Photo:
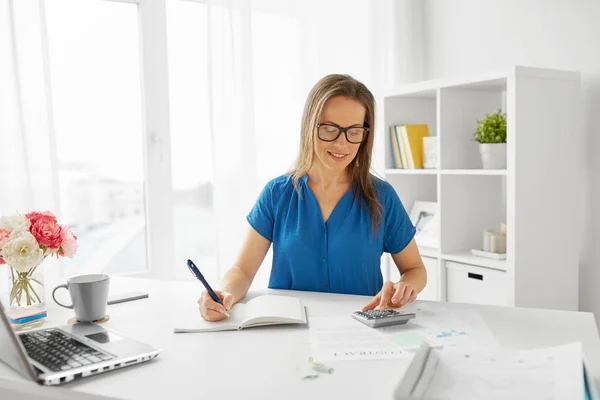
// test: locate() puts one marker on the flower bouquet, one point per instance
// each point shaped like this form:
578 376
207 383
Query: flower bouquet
25 241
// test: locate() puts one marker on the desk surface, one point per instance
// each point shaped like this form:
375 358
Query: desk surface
268 362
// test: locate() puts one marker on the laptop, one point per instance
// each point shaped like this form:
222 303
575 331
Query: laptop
53 356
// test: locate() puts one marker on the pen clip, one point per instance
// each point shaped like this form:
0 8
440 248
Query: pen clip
193 269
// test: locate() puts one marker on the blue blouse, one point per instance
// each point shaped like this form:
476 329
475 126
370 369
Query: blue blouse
341 255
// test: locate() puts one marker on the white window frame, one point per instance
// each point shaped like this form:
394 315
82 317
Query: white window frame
156 141
156 137
160 252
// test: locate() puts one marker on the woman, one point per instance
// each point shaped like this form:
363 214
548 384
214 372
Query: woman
329 219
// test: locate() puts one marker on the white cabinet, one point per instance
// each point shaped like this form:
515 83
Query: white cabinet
475 285
542 180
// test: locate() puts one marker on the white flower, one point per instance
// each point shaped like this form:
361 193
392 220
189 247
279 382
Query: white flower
14 222
22 251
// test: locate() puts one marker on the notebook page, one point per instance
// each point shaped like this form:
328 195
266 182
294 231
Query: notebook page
275 309
191 321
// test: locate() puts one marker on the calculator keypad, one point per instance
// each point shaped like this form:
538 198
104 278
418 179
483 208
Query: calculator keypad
377 314
377 318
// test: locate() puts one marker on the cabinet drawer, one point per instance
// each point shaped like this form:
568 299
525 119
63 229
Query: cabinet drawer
476 285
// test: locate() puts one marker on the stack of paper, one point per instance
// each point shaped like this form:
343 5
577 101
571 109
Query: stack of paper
21 318
452 373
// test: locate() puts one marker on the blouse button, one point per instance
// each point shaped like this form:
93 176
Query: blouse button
324 260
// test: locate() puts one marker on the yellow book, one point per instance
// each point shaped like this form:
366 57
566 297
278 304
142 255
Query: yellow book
414 134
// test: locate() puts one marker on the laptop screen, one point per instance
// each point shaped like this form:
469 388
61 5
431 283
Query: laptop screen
11 350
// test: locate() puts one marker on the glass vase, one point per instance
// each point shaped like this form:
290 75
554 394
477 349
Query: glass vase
26 289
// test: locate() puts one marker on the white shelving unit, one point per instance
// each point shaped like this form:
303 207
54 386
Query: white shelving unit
534 195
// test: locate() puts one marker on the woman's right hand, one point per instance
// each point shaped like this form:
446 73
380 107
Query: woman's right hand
212 311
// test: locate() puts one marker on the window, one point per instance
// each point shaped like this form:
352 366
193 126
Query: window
95 78
277 64
107 168
191 147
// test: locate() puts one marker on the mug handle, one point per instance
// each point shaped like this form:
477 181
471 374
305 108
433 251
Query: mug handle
56 301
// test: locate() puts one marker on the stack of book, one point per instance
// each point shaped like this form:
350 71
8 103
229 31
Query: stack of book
407 145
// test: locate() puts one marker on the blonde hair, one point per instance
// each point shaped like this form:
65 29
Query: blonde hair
362 182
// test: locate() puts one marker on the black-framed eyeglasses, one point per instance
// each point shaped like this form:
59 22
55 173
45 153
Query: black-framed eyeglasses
330 132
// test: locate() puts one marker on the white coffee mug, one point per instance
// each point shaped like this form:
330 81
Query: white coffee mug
89 294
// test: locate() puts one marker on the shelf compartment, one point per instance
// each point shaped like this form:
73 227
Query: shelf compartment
400 110
470 204
414 187
460 109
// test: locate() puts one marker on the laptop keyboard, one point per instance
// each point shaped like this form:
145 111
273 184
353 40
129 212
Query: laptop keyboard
58 351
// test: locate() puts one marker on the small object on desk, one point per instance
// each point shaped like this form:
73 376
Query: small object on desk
73 320
319 367
310 377
123 297
376 318
21 316
28 325
23 319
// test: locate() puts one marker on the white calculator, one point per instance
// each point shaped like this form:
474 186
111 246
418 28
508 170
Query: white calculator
376 318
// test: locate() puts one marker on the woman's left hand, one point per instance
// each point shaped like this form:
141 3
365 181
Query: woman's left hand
393 295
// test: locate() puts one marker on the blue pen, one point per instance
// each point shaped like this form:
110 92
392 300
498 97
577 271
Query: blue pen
200 277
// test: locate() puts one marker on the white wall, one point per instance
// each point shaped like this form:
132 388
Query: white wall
465 36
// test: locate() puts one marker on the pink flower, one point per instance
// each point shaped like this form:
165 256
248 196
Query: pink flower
34 216
2 261
46 230
69 243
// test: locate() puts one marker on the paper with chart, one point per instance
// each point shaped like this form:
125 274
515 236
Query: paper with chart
441 326
344 338
453 373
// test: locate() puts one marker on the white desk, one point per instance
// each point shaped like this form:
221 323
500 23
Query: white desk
268 362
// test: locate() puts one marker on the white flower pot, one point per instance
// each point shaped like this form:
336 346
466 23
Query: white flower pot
493 155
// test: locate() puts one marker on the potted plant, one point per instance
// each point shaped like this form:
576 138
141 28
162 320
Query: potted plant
491 135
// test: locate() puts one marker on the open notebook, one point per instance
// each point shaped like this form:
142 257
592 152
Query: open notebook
261 310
